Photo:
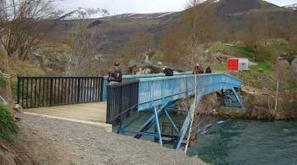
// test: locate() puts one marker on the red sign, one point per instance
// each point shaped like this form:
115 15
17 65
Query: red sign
233 64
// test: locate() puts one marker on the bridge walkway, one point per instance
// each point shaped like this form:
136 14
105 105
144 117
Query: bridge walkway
155 94
94 112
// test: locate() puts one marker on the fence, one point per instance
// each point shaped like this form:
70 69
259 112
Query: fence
121 99
35 92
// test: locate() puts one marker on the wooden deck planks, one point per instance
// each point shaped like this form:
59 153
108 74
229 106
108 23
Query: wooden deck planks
94 112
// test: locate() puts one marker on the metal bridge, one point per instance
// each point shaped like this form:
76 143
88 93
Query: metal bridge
152 93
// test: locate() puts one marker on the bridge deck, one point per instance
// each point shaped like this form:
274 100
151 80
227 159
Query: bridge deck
94 112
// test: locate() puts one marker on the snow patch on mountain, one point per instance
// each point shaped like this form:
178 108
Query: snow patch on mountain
292 6
84 13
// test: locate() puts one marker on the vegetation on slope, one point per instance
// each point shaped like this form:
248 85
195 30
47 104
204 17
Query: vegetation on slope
7 124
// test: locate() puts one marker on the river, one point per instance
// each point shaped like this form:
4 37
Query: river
248 142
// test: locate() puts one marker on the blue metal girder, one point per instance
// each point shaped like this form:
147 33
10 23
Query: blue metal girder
154 121
171 121
237 97
158 112
186 125
149 123
158 125
161 91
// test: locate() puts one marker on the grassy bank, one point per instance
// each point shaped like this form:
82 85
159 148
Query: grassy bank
7 124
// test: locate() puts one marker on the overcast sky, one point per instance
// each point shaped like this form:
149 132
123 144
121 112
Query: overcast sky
140 6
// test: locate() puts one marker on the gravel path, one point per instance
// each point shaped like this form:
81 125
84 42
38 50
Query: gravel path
89 144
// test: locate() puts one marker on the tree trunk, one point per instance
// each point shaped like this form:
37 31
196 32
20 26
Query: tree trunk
6 71
276 95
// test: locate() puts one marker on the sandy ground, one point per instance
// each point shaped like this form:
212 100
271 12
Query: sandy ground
66 142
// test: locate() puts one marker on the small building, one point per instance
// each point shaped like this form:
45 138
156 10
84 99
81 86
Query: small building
237 64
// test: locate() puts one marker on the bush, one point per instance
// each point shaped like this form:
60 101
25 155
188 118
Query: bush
7 124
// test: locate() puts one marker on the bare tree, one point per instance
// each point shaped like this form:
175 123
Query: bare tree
200 23
186 42
85 57
19 31
20 22
138 47
5 72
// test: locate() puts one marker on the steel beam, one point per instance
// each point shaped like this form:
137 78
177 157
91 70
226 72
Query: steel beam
171 121
158 125
237 97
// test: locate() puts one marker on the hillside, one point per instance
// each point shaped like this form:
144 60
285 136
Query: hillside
112 32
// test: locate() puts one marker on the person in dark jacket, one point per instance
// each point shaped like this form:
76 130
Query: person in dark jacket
198 69
167 71
208 70
115 74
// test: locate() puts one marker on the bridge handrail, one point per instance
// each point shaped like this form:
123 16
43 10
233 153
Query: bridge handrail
121 99
159 90
189 75
136 77
33 92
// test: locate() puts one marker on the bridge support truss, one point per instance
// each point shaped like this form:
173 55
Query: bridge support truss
158 95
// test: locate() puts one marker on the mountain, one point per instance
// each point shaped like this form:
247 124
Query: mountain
80 13
112 32
292 6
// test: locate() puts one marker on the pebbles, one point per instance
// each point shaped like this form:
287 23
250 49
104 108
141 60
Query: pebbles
88 144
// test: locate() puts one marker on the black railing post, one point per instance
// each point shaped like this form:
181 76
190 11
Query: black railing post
51 91
27 92
78 91
121 100
109 104
101 80
48 91
18 90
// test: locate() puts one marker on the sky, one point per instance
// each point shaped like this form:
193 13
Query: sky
140 6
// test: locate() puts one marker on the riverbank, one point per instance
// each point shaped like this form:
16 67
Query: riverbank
257 106
74 143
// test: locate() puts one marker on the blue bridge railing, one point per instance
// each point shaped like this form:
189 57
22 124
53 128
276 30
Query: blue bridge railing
161 90
158 94
136 77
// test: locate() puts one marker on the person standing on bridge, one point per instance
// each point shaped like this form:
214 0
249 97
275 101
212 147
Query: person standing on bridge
167 71
115 74
208 70
198 69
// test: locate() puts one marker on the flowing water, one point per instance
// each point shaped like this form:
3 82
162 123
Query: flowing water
243 142
248 142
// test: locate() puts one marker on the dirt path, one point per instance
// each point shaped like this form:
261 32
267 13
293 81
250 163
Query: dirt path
87 144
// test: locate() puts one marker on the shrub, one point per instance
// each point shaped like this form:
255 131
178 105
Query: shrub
7 124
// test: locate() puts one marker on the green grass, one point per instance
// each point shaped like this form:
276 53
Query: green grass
240 51
220 67
7 124
264 67
14 87
2 82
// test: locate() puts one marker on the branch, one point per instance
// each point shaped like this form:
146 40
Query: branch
4 75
